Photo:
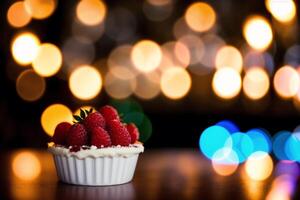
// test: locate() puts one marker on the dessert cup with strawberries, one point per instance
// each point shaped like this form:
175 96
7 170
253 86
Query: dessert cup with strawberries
98 149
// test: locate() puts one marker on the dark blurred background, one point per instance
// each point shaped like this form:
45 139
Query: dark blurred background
160 62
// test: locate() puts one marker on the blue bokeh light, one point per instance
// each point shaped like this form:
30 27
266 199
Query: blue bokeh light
242 145
292 147
229 125
260 139
214 138
226 156
279 142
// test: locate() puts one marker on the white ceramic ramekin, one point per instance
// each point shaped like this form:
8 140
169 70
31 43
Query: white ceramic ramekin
96 167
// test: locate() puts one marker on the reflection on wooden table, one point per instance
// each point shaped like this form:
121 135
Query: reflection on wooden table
160 174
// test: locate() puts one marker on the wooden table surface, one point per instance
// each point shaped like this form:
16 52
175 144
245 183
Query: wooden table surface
160 174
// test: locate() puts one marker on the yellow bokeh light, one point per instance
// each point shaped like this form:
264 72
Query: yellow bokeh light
175 82
259 166
146 55
40 9
117 86
25 48
283 11
226 83
182 53
48 60
229 56
200 16
256 83
17 16
85 82
91 12
26 166
258 32
77 112
147 86
30 86
177 53
286 82
53 115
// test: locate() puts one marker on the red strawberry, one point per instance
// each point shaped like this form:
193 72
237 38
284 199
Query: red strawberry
94 120
77 135
60 133
75 148
99 137
109 113
133 131
118 133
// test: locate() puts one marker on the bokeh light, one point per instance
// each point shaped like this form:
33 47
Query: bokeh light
225 161
241 144
200 16
283 188
177 52
180 28
229 125
53 115
283 11
286 167
119 83
48 60
147 86
256 83
40 9
208 143
286 82
146 55
292 147
175 82
279 143
212 43
30 86
91 12
258 32
25 48
195 48
259 166
261 140
26 166
85 82
17 16
229 56
226 83
120 57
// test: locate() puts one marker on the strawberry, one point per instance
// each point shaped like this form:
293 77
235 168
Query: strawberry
94 120
133 131
77 135
60 133
99 137
109 113
118 133
75 148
